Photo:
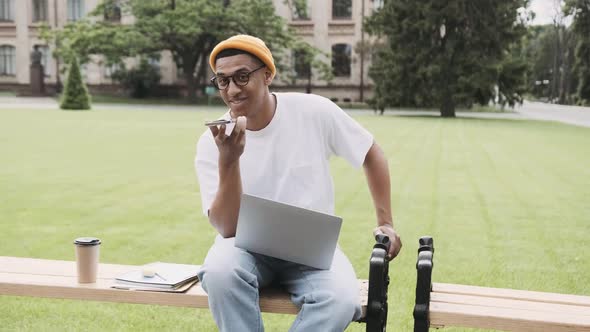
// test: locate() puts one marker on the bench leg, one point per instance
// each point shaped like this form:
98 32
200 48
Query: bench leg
376 317
423 284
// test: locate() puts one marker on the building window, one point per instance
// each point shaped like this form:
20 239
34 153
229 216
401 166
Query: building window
84 71
39 10
301 64
300 10
75 10
110 70
342 9
45 56
341 56
377 4
154 61
6 10
112 12
179 67
7 61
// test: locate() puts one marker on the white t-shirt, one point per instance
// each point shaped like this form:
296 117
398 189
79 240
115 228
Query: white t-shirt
288 160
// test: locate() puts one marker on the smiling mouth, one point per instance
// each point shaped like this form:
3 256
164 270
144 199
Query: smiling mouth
237 101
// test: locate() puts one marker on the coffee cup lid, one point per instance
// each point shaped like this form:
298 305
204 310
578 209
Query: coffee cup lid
87 241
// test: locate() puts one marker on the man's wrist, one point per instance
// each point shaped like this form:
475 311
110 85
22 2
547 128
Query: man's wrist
387 224
226 167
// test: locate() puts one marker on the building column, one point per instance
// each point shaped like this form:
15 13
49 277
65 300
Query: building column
23 47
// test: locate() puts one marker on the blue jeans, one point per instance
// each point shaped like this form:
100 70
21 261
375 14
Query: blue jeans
328 299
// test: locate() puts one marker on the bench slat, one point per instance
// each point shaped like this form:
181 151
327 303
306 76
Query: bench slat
506 319
446 305
494 302
62 287
67 288
512 294
57 279
38 266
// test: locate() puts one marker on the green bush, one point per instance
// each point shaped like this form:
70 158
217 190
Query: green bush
75 95
141 80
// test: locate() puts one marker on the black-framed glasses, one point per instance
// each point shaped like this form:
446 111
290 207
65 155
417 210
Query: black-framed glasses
241 78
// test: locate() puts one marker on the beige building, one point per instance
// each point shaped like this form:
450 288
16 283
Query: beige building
333 26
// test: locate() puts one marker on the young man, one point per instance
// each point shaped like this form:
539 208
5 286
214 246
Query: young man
279 149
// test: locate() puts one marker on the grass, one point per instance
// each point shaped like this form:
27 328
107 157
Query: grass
7 94
506 202
215 100
110 99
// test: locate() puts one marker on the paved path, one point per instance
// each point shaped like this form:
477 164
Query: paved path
27 102
574 115
481 115
50 103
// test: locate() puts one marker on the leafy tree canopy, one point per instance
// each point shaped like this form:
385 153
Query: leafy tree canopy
189 29
580 9
448 53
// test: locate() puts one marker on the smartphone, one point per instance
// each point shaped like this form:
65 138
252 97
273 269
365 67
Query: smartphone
219 122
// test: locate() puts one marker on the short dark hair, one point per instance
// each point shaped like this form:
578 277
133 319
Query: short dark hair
234 51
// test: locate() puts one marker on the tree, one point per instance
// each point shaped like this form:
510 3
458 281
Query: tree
580 9
189 29
549 63
511 81
447 53
75 95
141 80
540 51
298 9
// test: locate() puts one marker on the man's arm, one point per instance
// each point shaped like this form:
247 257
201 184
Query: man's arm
377 173
225 208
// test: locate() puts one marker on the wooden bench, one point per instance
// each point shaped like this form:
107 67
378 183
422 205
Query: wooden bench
58 279
439 305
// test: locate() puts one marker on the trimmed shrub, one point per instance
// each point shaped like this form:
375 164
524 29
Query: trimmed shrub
75 95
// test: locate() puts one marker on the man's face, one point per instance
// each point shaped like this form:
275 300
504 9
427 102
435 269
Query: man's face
243 100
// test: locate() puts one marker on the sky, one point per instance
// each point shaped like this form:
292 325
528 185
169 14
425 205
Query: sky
545 10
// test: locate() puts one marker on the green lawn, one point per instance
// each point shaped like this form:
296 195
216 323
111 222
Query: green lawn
508 204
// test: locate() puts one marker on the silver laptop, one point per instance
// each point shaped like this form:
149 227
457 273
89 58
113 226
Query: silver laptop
287 232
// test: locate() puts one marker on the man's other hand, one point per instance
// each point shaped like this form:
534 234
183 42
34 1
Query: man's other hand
394 239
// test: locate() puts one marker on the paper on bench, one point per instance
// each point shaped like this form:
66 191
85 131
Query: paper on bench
170 276
180 289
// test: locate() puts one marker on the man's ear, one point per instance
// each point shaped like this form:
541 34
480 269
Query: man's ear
267 77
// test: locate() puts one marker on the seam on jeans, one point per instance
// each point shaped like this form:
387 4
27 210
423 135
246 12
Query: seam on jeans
257 298
301 311
311 286
298 320
257 295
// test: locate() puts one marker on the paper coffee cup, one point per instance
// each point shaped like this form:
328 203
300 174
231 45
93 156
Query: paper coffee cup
87 253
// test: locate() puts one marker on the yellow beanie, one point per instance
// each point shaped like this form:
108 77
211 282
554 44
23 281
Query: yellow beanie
250 44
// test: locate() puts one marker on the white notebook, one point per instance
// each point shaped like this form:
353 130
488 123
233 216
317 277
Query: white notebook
167 276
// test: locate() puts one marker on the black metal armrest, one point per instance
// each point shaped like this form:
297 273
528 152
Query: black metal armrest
376 317
424 267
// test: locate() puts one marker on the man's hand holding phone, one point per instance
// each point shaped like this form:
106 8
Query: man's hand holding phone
219 122
230 146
